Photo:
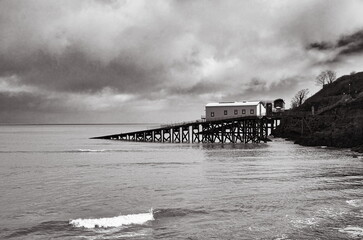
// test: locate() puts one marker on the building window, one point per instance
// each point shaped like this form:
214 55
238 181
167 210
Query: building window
212 114
225 112
252 111
235 112
243 111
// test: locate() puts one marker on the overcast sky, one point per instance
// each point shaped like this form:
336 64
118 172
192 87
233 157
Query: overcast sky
93 61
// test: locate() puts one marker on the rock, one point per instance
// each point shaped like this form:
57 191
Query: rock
358 149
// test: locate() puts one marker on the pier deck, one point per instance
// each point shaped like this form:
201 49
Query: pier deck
233 130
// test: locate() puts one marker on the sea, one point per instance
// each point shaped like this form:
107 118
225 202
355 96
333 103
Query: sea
57 183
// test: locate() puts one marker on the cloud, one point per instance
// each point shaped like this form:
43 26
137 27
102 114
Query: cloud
351 44
345 45
321 46
262 89
89 56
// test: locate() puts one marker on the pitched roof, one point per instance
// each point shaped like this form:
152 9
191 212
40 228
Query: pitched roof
230 104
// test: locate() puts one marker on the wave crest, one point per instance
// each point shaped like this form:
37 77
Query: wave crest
131 219
175 212
352 231
355 202
91 150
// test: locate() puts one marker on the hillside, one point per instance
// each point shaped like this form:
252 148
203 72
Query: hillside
348 85
337 119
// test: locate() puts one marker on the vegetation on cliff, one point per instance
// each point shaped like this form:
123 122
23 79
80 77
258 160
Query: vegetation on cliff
331 117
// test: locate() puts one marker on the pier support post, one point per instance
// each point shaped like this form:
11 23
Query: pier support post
185 134
195 133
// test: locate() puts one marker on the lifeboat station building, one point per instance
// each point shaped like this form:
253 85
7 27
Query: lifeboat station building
224 110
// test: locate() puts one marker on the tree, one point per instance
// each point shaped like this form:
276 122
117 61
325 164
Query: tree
331 76
299 98
326 77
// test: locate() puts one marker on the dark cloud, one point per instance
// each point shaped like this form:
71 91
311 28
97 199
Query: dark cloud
261 89
345 45
24 107
20 102
202 87
73 72
96 56
351 44
321 46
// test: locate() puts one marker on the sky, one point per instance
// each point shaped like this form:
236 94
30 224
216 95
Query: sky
126 61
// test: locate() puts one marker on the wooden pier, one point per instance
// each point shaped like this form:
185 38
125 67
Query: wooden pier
234 130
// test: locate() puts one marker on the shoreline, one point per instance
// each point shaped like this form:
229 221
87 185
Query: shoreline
356 149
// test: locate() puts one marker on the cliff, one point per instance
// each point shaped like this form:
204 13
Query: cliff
337 119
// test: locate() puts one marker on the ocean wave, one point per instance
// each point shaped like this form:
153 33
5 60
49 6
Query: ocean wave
114 236
164 163
319 216
49 227
81 150
86 150
98 150
283 237
352 231
64 151
133 219
301 223
355 202
175 212
91 150
330 212
118 221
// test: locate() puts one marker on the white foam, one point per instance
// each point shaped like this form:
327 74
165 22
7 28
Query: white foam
283 237
353 231
91 150
118 221
330 212
355 202
299 223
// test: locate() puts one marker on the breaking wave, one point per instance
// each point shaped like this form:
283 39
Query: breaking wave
301 223
131 219
355 202
175 212
352 231
91 150
86 150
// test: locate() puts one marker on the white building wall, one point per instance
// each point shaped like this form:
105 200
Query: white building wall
241 111
219 112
